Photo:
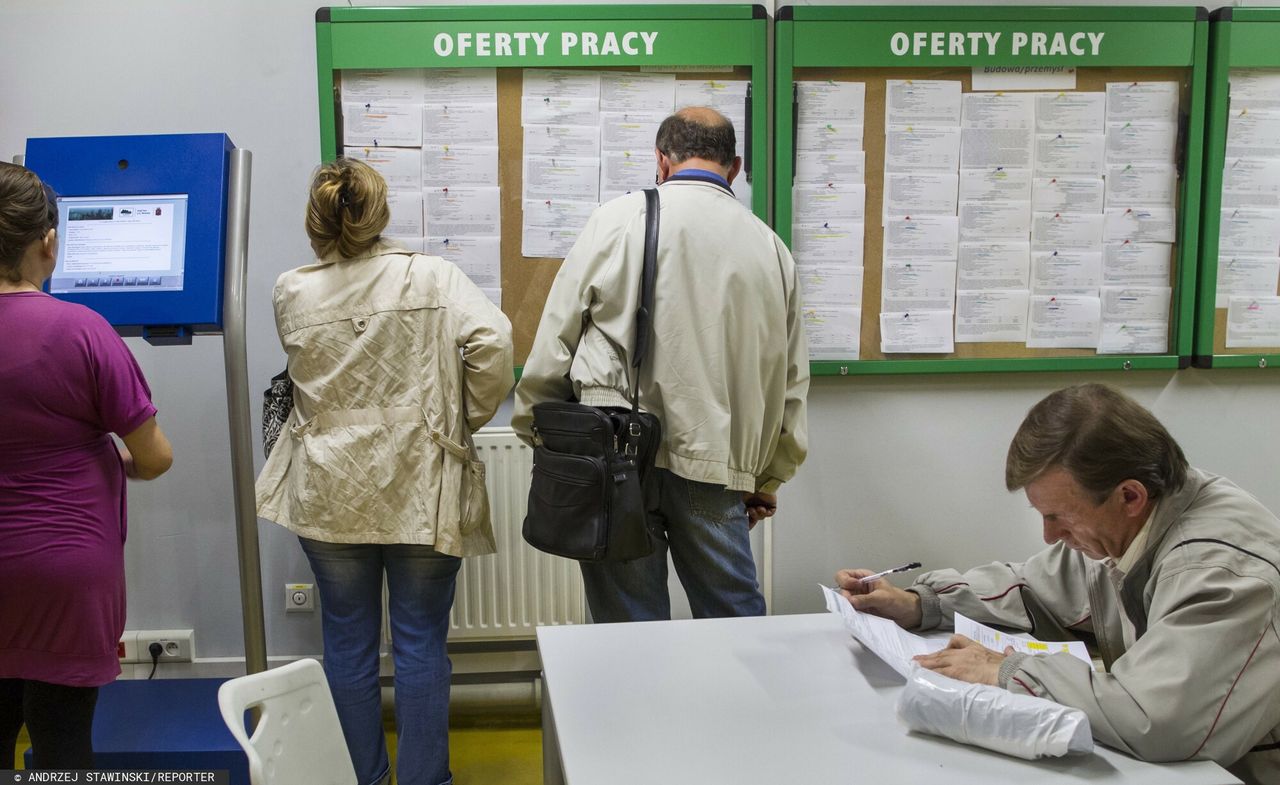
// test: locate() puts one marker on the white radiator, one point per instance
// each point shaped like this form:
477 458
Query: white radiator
506 595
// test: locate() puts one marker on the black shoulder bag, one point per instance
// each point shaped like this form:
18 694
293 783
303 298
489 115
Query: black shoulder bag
277 403
587 499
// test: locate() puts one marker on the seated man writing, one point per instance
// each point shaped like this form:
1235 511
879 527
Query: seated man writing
1175 573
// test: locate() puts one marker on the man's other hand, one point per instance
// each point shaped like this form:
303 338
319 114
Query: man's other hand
967 660
760 505
880 598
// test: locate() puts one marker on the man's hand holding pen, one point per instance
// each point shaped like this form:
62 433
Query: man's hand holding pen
879 597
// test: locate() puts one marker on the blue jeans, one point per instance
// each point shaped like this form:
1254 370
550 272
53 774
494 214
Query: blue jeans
420 585
705 527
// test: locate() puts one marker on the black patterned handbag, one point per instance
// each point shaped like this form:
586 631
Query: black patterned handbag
277 403
587 498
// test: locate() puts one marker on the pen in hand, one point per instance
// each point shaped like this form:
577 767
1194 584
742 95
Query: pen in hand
915 565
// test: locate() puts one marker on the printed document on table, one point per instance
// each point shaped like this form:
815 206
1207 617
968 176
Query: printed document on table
923 332
460 123
559 111
1133 338
834 332
1078 112
1070 153
815 203
1063 322
562 178
406 213
627 91
991 316
403 85
1128 142
882 637
1067 195
1067 230
984 148
455 164
1150 185
381 124
1247 230
922 102
828 101
463 210
401 167
581 141
998 110
1142 101
933 237
918 286
833 242
1136 303
994 220
997 641
1139 224
561 83
1066 272
823 167
989 266
997 184
835 285
919 148
1246 276
630 131
920 193
461 85
623 171
479 257
1252 134
1136 263
1253 321
830 137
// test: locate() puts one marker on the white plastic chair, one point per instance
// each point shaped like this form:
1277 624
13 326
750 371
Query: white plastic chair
298 740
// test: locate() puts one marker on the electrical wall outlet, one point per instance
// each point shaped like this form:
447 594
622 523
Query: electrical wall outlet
299 597
175 645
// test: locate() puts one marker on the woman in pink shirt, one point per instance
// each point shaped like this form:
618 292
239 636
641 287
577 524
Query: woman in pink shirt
67 382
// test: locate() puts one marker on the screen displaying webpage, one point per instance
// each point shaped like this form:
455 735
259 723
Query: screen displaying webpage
120 243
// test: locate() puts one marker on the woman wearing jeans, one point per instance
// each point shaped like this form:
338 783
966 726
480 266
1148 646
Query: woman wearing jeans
395 359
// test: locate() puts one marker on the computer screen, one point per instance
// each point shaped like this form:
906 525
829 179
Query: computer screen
120 243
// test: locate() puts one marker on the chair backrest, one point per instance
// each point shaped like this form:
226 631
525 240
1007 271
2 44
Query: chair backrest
298 740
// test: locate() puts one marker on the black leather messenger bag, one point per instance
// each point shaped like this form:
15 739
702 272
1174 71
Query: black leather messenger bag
587 497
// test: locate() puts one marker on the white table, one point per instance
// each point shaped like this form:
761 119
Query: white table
779 699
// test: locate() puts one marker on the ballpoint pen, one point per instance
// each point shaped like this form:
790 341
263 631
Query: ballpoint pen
915 565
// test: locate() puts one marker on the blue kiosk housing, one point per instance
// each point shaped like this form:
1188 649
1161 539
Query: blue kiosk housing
141 228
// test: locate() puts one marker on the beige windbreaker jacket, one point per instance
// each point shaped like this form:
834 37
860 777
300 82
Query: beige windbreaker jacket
1202 678
385 351
728 369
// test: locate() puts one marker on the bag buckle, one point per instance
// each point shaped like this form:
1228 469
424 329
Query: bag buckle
635 429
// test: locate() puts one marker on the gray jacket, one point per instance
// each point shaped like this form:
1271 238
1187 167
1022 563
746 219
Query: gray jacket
1202 678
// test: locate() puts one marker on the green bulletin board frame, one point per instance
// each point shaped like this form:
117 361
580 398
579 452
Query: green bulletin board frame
859 37
688 36
1238 38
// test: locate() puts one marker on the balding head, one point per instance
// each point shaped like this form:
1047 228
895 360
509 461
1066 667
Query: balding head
697 132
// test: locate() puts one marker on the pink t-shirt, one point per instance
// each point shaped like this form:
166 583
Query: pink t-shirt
66 382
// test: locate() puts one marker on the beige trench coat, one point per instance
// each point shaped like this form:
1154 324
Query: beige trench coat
395 358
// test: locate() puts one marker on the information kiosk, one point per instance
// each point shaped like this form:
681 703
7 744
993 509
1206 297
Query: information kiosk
153 235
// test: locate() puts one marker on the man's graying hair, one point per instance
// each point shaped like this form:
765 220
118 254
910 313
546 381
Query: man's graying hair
697 132
1101 437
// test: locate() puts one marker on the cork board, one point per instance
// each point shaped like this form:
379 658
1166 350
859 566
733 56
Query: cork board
526 280
1087 80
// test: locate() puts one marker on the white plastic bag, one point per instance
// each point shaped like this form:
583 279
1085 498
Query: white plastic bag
987 716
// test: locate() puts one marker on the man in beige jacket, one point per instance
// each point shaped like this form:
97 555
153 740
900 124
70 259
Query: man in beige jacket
727 373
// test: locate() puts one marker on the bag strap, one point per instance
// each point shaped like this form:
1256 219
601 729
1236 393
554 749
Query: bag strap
648 277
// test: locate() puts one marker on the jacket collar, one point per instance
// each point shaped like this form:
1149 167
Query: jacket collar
692 178
378 248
